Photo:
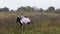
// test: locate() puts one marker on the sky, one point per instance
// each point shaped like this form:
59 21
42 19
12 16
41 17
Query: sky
14 4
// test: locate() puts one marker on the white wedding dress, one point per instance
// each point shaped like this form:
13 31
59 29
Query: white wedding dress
25 20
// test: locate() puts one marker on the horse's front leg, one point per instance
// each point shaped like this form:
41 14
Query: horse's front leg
23 25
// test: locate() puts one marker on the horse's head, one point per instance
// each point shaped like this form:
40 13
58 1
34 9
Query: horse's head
18 19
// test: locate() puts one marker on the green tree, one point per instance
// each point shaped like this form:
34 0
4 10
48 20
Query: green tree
6 9
21 9
1 9
51 8
27 8
41 10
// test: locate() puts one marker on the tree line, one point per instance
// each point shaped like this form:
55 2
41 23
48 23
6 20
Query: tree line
31 9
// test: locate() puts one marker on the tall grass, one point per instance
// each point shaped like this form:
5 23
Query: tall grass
43 23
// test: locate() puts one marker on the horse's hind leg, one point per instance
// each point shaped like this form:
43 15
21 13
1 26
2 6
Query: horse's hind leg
22 26
28 23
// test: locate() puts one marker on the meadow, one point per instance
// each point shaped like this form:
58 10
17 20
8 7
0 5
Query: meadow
43 23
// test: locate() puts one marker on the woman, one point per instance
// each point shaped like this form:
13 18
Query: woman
24 20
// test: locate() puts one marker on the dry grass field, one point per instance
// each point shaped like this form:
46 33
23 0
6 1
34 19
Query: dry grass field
43 23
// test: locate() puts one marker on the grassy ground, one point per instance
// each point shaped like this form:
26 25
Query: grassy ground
43 23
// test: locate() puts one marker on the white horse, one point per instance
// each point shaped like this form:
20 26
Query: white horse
25 21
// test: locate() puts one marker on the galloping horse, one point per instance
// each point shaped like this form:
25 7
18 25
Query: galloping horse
23 21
